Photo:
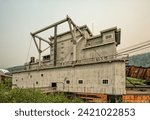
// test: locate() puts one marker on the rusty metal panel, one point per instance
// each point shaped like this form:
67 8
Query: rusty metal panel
147 75
140 73
132 71
143 73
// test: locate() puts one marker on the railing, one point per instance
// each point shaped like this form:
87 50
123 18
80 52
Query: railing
72 63
96 59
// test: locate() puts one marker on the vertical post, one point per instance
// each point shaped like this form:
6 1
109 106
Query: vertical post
74 46
74 52
55 45
39 52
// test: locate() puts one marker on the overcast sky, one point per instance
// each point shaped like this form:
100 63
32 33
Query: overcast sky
20 17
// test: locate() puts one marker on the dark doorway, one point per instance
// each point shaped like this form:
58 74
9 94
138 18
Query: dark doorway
54 86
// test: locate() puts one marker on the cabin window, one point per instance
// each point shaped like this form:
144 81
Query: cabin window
67 81
108 36
46 57
80 81
105 81
41 75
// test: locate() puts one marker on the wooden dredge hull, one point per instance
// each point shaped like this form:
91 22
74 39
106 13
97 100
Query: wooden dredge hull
79 63
100 77
87 92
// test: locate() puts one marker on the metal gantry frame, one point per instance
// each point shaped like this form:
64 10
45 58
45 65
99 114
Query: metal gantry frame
73 29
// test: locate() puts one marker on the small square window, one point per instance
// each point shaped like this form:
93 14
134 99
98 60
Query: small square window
16 80
108 36
105 81
22 78
67 81
80 81
41 75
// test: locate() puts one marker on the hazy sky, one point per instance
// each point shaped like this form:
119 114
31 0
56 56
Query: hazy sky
20 17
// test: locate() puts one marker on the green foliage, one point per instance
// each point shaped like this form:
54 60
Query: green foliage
7 84
135 81
8 95
140 60
33 96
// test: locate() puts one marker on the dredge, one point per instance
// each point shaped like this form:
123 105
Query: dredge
77 62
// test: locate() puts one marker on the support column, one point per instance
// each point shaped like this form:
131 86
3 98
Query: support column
55 45
39 52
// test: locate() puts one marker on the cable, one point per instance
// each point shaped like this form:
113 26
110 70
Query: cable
29 50
136 48
134 45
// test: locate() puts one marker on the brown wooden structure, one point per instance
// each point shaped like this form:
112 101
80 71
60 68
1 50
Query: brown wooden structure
138 72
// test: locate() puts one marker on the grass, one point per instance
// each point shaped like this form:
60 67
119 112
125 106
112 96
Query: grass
135 81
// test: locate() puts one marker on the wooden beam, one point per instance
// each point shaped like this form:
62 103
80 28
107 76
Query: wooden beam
76 26
55 45
45 48
42 39
40 52
50 26
72 33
